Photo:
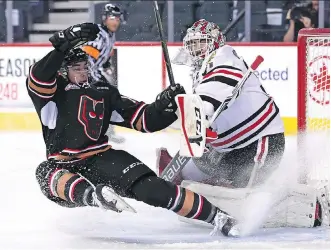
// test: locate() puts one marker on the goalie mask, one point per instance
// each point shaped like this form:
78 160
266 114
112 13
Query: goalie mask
203 38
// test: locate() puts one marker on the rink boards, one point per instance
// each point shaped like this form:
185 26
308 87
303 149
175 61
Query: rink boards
142 75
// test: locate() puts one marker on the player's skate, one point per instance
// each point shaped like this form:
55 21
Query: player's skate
163 158
105 197
225 224
113 136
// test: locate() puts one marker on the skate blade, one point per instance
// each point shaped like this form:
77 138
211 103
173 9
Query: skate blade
120 204
124 206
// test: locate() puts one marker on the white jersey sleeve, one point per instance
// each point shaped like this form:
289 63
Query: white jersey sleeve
252 115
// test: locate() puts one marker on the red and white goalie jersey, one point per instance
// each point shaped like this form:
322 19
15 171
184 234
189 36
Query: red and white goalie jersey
252 115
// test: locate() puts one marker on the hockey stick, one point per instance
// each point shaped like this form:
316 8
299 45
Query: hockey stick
174 167
164 45
258 60
178 162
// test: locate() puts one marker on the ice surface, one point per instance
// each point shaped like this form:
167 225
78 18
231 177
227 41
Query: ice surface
29 221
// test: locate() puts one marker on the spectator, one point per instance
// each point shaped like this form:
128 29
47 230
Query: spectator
301 16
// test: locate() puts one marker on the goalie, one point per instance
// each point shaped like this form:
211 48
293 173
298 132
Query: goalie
245 143
249 132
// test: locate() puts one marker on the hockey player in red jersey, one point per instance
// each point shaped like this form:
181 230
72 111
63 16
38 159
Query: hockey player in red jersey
82 169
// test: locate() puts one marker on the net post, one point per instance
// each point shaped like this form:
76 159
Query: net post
301 102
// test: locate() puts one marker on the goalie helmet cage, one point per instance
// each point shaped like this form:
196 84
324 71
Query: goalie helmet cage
313 97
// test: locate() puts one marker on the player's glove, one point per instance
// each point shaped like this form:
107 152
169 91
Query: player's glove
73 36
165 101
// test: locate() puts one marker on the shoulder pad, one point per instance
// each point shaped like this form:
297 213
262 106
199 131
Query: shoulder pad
222 56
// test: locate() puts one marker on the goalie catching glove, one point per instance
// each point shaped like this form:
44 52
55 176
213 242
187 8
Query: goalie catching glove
165 101
73 36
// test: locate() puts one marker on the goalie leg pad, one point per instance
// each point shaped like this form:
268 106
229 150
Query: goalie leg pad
296 208
323 197
193 172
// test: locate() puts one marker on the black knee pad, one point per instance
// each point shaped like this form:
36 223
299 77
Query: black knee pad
154 191
43 172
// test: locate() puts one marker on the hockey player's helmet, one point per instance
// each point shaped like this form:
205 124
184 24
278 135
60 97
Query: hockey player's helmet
74 56
111 10
203 38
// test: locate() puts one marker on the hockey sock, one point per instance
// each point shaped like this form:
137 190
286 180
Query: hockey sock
76 190
79 191
192 205
161 193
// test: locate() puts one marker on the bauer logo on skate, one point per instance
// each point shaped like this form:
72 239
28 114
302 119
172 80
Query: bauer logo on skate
142 75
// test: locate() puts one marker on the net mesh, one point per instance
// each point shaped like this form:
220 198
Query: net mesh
318 84
317 144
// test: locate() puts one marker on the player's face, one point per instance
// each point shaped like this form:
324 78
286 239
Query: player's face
198 47
315 4
112 23
78 72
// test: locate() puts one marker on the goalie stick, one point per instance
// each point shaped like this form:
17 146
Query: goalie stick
164 44
178 162
258 60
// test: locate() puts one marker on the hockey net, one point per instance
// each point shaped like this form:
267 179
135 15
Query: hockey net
314 102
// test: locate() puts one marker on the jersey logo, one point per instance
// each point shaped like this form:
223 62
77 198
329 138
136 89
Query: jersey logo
90 115
210 63
71 86
211 57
